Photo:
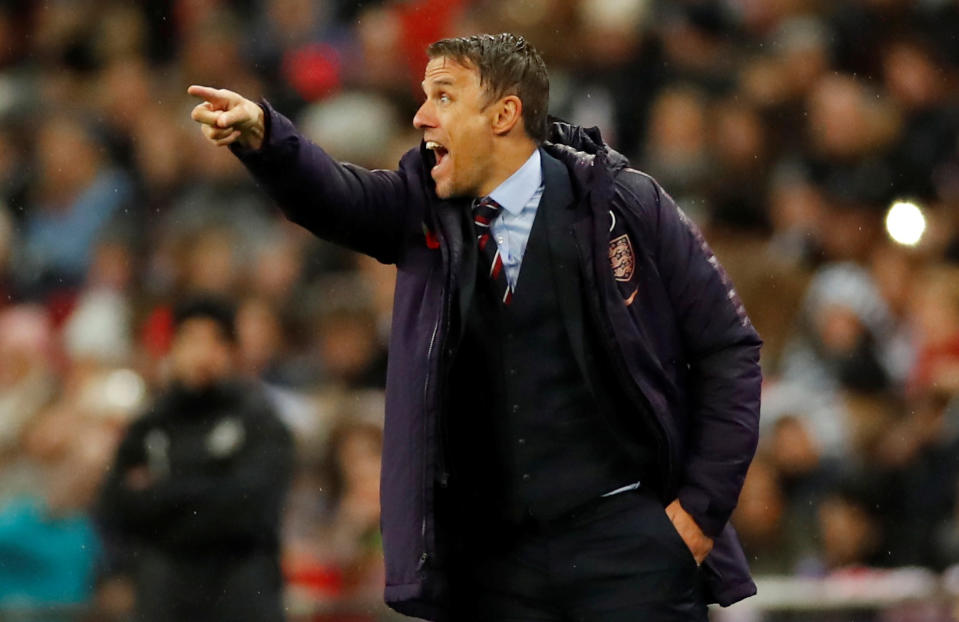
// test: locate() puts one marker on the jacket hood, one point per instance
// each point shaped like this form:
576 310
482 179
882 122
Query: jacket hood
582 146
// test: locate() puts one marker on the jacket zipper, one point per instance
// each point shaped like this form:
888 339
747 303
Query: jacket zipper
442 321
424 556
444 260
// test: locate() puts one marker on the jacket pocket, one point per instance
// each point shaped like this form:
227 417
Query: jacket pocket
677 539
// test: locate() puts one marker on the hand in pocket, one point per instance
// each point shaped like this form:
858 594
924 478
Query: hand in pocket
698 543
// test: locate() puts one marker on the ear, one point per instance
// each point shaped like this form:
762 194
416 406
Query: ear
507 113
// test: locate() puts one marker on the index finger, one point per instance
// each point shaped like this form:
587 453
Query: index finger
214 96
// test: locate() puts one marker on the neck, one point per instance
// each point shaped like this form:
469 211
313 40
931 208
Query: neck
508 159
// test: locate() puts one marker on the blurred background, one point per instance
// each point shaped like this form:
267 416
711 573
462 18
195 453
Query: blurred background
815 141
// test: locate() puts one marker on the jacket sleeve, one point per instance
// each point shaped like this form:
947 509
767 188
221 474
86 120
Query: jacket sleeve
118 507
346 204
722 350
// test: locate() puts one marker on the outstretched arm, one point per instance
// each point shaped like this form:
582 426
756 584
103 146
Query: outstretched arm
349 205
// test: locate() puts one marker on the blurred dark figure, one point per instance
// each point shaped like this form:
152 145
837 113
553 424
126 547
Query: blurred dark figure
762 521
346 340
850 531
196 491
925 150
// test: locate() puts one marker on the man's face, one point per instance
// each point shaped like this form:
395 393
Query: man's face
201 355
458 128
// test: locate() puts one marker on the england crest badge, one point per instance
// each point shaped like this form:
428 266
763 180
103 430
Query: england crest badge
621 258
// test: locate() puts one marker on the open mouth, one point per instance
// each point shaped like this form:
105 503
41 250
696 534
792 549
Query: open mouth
438 150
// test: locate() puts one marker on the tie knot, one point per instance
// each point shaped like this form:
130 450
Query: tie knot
485 210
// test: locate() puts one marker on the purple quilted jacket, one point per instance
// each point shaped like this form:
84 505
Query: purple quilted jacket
670 319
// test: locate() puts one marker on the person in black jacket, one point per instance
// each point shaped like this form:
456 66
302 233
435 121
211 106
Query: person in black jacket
195 493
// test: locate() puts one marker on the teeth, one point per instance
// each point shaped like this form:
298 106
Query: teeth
431 145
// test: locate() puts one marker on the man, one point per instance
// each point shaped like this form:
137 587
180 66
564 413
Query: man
567 356
198 484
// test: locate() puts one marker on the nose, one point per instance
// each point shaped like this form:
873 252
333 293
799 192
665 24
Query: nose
424 117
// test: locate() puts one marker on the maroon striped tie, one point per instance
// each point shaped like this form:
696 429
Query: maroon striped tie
485 211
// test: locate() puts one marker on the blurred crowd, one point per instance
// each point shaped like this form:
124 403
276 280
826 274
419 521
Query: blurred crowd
785 128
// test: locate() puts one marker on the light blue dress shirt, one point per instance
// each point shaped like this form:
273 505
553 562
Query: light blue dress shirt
519 195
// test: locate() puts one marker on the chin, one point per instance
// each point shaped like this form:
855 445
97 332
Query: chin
447 190
444 190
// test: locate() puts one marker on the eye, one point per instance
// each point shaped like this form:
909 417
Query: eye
444 98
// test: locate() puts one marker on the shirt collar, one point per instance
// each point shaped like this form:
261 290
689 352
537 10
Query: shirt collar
514 193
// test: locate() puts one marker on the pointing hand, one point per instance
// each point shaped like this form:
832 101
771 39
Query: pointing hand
227 117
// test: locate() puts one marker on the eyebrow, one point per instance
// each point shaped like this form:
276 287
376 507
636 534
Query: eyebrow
438 82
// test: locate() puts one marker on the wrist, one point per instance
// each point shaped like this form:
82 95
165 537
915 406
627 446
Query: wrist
252 136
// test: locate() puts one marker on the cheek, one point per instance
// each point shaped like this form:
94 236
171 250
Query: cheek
481 156
223 360
475 148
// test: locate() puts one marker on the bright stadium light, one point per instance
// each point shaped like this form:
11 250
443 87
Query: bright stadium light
905 223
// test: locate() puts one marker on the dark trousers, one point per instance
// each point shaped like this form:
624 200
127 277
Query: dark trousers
617 559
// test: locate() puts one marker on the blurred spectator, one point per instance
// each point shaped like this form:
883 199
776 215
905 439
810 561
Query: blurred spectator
677 151
850 531
76 196
915 460
774 542
47 540
343 559
850 131
259 338
798 213
742 155
841 345
27 380
935 311
697 44
353 472
913 77
355 127
346 334
802 50
198 484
